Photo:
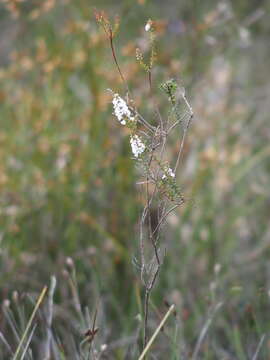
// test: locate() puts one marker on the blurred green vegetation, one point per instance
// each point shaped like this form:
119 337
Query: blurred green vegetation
68 183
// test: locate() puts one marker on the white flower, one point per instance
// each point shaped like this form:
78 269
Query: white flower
148 25
103 347
121 110
137 146
168 172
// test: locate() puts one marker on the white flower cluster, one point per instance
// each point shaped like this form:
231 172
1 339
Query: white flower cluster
168 172
123 114
148 25
121 110
137 145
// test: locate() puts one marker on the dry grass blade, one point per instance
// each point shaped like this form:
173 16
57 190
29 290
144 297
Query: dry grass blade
4 341
28 342
255 356
39 301
204 331
150 342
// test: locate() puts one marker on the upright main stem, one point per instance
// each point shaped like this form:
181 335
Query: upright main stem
146 311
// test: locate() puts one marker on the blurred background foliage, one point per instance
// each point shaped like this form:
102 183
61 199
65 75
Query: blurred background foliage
68 183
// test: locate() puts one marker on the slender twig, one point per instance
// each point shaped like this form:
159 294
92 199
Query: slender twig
177 122
142 120
163 218
150 80
115 59
93 332
49 317
182 143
